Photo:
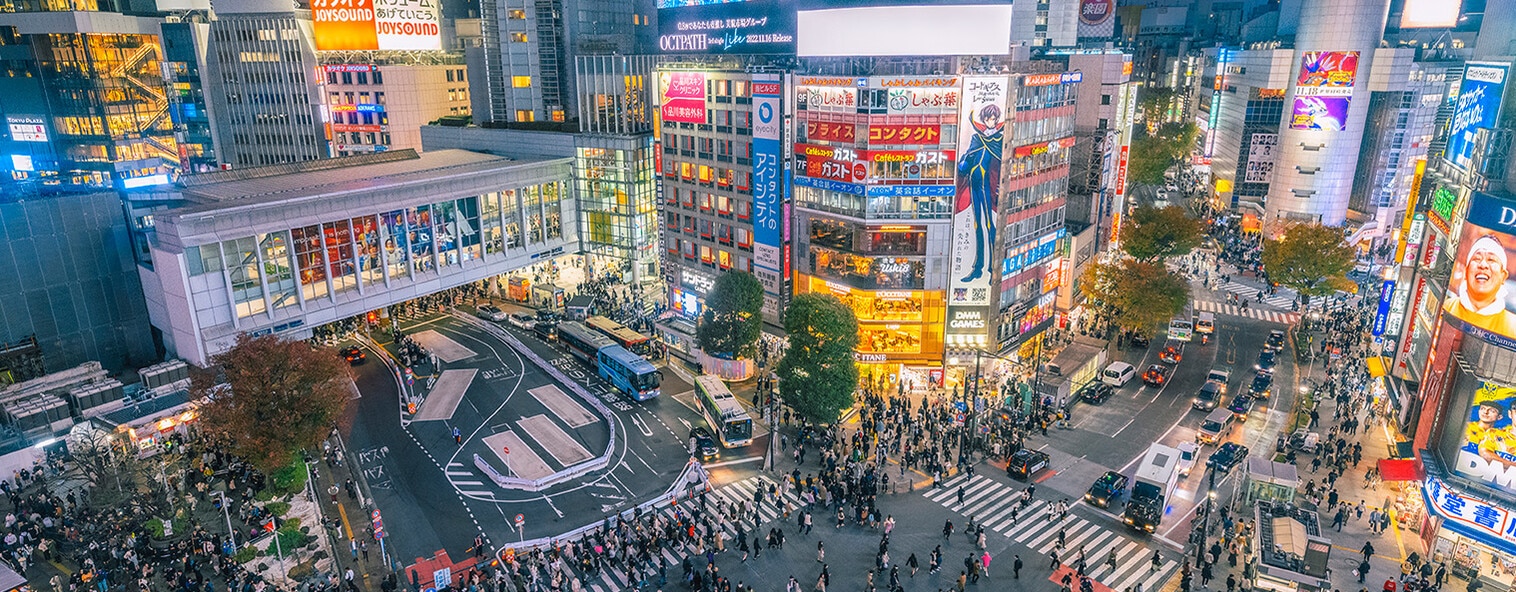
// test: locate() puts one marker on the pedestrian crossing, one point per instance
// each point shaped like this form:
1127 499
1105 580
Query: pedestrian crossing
1251 294
612 579
997 506
1272 316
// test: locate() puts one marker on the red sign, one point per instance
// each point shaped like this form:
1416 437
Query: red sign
1042 147
1041 79
1121 172
684 97
825 167
349 127
829 132
904 134
348 68
767 88
913 156
1096 12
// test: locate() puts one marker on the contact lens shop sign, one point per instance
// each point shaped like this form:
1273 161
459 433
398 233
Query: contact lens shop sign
756 27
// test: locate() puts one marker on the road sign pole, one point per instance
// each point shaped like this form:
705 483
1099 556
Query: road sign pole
521 527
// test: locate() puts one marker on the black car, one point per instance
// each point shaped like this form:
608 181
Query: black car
1262 386
1096 392
1110 487
1266 361
1227 456
1025 463
1156 375
703 443
547 316
353 355
1140 340
545 330
1208 397
1241 406
1275 341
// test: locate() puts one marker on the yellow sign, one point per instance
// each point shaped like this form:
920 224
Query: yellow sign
1410 208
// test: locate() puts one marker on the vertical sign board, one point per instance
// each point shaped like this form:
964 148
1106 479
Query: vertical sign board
1120 205
768 194
1478 106
980 140
1386 296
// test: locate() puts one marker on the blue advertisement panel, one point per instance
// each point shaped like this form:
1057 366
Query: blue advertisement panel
768 192
1386 296
1478 106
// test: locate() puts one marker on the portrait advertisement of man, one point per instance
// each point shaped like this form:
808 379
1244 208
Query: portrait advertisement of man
1491 429
1478 293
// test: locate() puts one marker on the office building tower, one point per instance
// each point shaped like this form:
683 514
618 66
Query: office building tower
381 103
262 78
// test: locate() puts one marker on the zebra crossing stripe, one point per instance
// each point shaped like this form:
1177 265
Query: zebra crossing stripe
983 489
950 487
1024 515
988 508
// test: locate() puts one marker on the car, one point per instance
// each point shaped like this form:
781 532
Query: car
1221 376
1110 487
703 443
1188 451
1156 375
1208 397
1215 427
1275 342
1241 406
353 355
1118 374
545 330
522 321
1025 463
490 312
1266 361
1262 386
1140 340
547 316
1226 456
1173 352
1096 392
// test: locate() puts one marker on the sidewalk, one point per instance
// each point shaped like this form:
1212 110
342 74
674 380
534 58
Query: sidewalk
350 516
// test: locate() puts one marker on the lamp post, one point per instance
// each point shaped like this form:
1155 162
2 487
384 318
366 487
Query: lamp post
1205 521
230 532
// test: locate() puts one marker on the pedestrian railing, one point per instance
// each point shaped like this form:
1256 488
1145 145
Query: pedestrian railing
692 479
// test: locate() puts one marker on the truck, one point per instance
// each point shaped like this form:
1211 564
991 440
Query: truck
1156 478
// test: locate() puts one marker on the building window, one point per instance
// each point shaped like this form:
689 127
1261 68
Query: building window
517 14
450 76
518 37
1105 99
525 115
521 81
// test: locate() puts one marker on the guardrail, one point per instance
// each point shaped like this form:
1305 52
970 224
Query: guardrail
576 470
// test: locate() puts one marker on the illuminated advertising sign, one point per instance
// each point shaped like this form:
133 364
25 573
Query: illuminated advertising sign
1097 18
1121 172
908 134
22 162
1323 89
854 166
1478 106
1042 147
980 152
682 96
1486 443
1479 292
347 68
847 171
1052 79
27 129
377 25
1260 162
768 192
350 127
1438 14
821 131
359 108
1386 296
828 98
753 27
1444 201
1487 522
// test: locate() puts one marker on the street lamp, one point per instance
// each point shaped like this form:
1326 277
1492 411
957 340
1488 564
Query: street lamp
1205 520
230 532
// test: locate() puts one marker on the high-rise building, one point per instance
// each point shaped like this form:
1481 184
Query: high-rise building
380 104
262 77
184 49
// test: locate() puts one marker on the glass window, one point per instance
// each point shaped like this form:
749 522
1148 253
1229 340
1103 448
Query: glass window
395 246
445 229
242 268
533 209
551 206
418 221
278 273
366 246
309 259
490 214
510 212
468 228
339 255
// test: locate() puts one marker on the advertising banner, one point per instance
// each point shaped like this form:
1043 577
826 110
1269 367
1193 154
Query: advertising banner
909 134
344 25
980 151
1260 162
1487 446
1478 106
408 24
1484 521
27 128
752 27
682 96
1323 89
1042 147
1386 296
1097 19
919 95
822 131
768 192
1479 292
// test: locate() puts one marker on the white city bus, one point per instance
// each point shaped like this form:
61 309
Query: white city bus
727 418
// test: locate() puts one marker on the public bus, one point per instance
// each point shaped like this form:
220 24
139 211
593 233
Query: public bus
722 412
623 336
1182 327
582 342
630 373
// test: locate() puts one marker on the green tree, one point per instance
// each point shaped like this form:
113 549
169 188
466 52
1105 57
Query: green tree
1153 102
1310 258
1137 295
269 398
818 376
1153 154
733 316
1153 234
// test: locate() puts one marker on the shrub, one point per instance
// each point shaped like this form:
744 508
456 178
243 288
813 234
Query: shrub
278 508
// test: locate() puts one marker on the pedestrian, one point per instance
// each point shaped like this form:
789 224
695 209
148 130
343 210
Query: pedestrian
985 560
913 564
1016 567
821 552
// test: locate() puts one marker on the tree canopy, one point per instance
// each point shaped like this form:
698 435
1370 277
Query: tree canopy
1152 154
1153 234
1139 295
733 316
1310 258
269 397
818 376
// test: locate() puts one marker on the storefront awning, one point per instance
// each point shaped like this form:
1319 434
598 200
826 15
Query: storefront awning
1378 366
1399 469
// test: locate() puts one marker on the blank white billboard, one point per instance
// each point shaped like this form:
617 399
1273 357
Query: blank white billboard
905 31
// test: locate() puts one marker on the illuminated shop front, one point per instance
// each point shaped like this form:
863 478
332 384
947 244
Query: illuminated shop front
899 331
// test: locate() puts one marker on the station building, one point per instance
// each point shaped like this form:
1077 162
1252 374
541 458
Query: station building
286 248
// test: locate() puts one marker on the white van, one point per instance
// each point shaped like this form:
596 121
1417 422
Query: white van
1215 426
1118 374
1205 323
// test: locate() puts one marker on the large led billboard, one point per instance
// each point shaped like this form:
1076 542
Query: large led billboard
1478 106
1323 89
905 31
681 96
1479 292
1486 440
981 138
342 25
1429 13
755 27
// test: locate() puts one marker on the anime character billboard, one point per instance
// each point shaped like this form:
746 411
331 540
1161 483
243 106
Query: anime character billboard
981 134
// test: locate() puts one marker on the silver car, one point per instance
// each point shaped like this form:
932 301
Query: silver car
490 312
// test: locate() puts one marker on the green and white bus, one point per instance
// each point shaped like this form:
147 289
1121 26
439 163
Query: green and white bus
730 422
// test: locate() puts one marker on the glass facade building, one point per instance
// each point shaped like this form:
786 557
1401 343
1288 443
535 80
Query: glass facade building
618 209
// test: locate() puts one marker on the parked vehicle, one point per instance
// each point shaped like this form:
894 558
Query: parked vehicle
1118 374
490 312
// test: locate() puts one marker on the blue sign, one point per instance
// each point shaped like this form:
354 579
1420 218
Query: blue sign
1477 106
911 190
826 184
768 190
1381 318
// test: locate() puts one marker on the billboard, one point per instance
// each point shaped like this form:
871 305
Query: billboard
1479 292
754 27
1382 315
980 149
936 30
1260 161
1486 449
1097 18
376 25
911 134
681 96
27 128
768 191
1484 521
1477 106
1417 14
1323 90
